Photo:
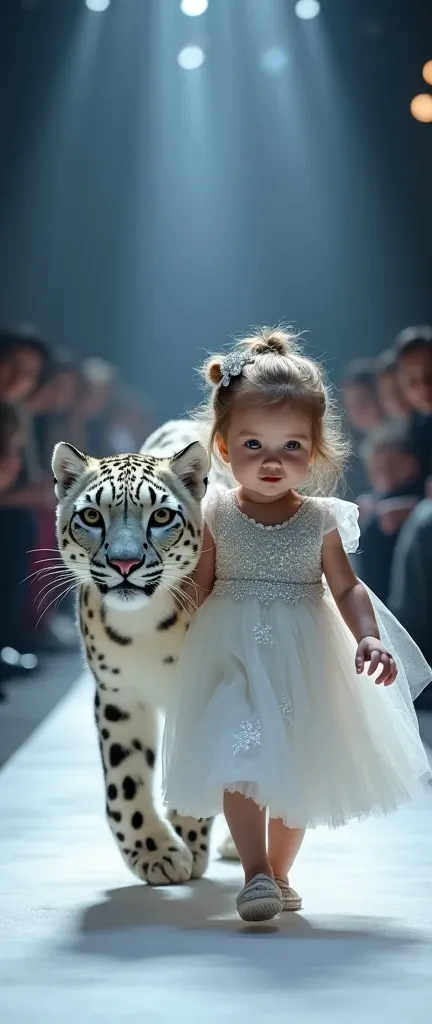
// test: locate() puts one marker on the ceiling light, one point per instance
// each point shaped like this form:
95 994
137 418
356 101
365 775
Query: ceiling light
274 61
191 58
427 72
421 108
97 5
193 8
307 9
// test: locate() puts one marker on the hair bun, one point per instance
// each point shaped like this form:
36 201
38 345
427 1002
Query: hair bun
278 342
213 371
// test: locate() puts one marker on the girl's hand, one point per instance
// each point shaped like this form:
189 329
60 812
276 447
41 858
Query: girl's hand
372 650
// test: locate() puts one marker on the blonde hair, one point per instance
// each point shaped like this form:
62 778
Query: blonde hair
279 372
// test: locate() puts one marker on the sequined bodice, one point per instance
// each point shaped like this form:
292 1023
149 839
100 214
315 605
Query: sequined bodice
269 561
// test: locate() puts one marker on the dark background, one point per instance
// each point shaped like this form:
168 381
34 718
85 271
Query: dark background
147 213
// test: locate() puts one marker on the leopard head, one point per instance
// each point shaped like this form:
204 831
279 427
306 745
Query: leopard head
130 524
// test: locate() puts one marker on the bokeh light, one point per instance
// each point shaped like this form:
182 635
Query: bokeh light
193 8
274 61
191 58
307 9
421 108
427 72
97 5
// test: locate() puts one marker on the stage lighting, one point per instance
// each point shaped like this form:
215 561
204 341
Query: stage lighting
191 58
307 9
274 61
97 5
193 8
421 108
427 72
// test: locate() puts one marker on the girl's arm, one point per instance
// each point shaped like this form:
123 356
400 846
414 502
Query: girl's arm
199 584
356 609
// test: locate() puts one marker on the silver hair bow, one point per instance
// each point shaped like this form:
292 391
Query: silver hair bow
232 365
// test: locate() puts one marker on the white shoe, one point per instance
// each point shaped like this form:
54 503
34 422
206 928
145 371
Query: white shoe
260 900
290 898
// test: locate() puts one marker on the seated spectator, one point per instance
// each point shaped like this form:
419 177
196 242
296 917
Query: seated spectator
360 395
392 399
394 472
391 462
28 361
52 406
363 412
15 535
7 366
10 447
25 358
413 349
93 406
410 596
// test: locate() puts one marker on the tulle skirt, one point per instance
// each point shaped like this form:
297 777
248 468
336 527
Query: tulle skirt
268 703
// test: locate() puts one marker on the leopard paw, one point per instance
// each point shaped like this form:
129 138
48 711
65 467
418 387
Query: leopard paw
161 858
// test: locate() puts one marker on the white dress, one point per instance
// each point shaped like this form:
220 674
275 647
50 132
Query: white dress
268 701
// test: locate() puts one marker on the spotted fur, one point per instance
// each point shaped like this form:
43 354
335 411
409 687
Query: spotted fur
175 435
145 511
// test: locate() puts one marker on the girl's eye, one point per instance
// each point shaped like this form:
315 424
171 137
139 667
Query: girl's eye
91 517
253 444
162 516
292 446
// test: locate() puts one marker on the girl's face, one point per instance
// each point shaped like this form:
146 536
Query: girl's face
269 447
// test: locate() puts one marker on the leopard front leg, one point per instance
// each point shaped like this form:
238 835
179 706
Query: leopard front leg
128 735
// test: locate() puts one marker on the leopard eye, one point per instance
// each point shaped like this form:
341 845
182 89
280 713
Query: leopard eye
91 517
162 516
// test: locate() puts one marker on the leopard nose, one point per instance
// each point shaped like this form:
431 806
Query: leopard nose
125 567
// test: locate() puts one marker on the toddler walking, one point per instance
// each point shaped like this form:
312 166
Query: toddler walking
285 716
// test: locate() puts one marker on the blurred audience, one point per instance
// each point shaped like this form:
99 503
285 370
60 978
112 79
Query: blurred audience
388 404
410 596
393 471
413 349
392 401
363 412
46 396
360 395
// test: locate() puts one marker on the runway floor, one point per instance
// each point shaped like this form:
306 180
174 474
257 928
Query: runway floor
81 941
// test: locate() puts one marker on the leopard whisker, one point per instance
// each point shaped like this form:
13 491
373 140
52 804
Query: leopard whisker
43 573
51 558
50 589
67 591
33 551
59 581
181 597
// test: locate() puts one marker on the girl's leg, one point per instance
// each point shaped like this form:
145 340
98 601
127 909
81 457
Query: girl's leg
283 846
247 824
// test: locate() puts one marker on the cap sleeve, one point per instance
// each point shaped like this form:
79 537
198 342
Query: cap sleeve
343 516
210 505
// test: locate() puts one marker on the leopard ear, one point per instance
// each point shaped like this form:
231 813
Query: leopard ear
192 466
68 465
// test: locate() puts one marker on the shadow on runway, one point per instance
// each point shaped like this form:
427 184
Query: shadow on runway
199 920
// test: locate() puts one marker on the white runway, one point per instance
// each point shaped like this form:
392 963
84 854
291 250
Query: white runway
81 942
